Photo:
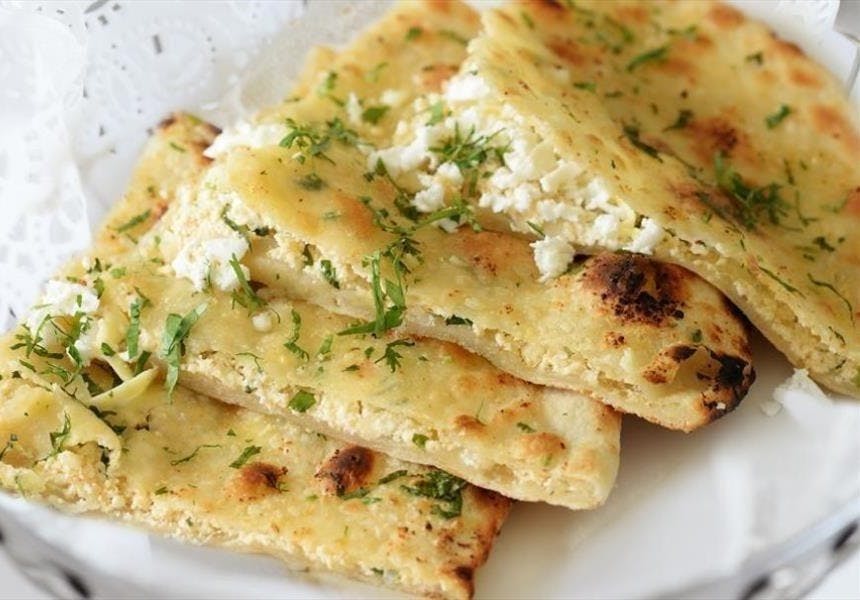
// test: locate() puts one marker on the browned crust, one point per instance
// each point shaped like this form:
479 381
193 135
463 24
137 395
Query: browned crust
636 289
347 470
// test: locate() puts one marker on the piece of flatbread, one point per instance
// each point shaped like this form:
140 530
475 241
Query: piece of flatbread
419 399
205 472
686 130
648 339
210 473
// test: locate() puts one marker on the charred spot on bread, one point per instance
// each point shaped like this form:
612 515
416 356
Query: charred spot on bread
346 470
637 289
257 480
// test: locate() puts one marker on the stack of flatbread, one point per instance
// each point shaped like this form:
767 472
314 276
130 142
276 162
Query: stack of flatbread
349 331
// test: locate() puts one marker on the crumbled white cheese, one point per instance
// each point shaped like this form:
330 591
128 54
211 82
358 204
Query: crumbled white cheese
450 174
63 298
465 87
430 199
209 260
87 341
353 109
647 237
393 98
246 134
552 256
563 176
262 322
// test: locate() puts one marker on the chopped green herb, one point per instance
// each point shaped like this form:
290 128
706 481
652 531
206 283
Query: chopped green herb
632 134
589 86
376 571
469 151
245 296
751 204
420 440
527 19
133 222
140 365
357 493
9 445
176 329
656 54
193 455
455 320
391 356
132 335
830 287
247 453
392 476
441 486
525 427
291 344
240 229
302 401
60 437
351 368
697 336
307 257
756 57
413 33
311 182
536 228
781 282
373 114
684 118
118 272
161 491
437 113
177 147
329 273
372 75
777 117
107 350
454 36
313 143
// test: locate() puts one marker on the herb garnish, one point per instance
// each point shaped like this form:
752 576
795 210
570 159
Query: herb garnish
441 486
776 278
419 439
193 455
245 296
525 427
329 273
632 134
132 335
374 114
291 344
684 118
9 445
656 54
589 86
391 356
311 182
453 35
247 453
313 143
455 320
392 476
133 222
302 401
176 329
777 117
750 203
756 57
830 287
413 33
60 437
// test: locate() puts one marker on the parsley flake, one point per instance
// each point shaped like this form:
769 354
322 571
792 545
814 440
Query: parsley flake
302 401
247 453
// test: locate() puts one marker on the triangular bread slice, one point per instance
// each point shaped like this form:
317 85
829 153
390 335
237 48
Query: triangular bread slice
686 130
108 439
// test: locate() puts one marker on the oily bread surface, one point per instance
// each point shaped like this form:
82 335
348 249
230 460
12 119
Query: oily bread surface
785 254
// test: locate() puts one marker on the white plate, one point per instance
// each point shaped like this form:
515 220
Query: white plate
686 507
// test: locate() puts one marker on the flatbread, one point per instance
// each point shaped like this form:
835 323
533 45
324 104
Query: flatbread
647 339
419 399
209 473
738 150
